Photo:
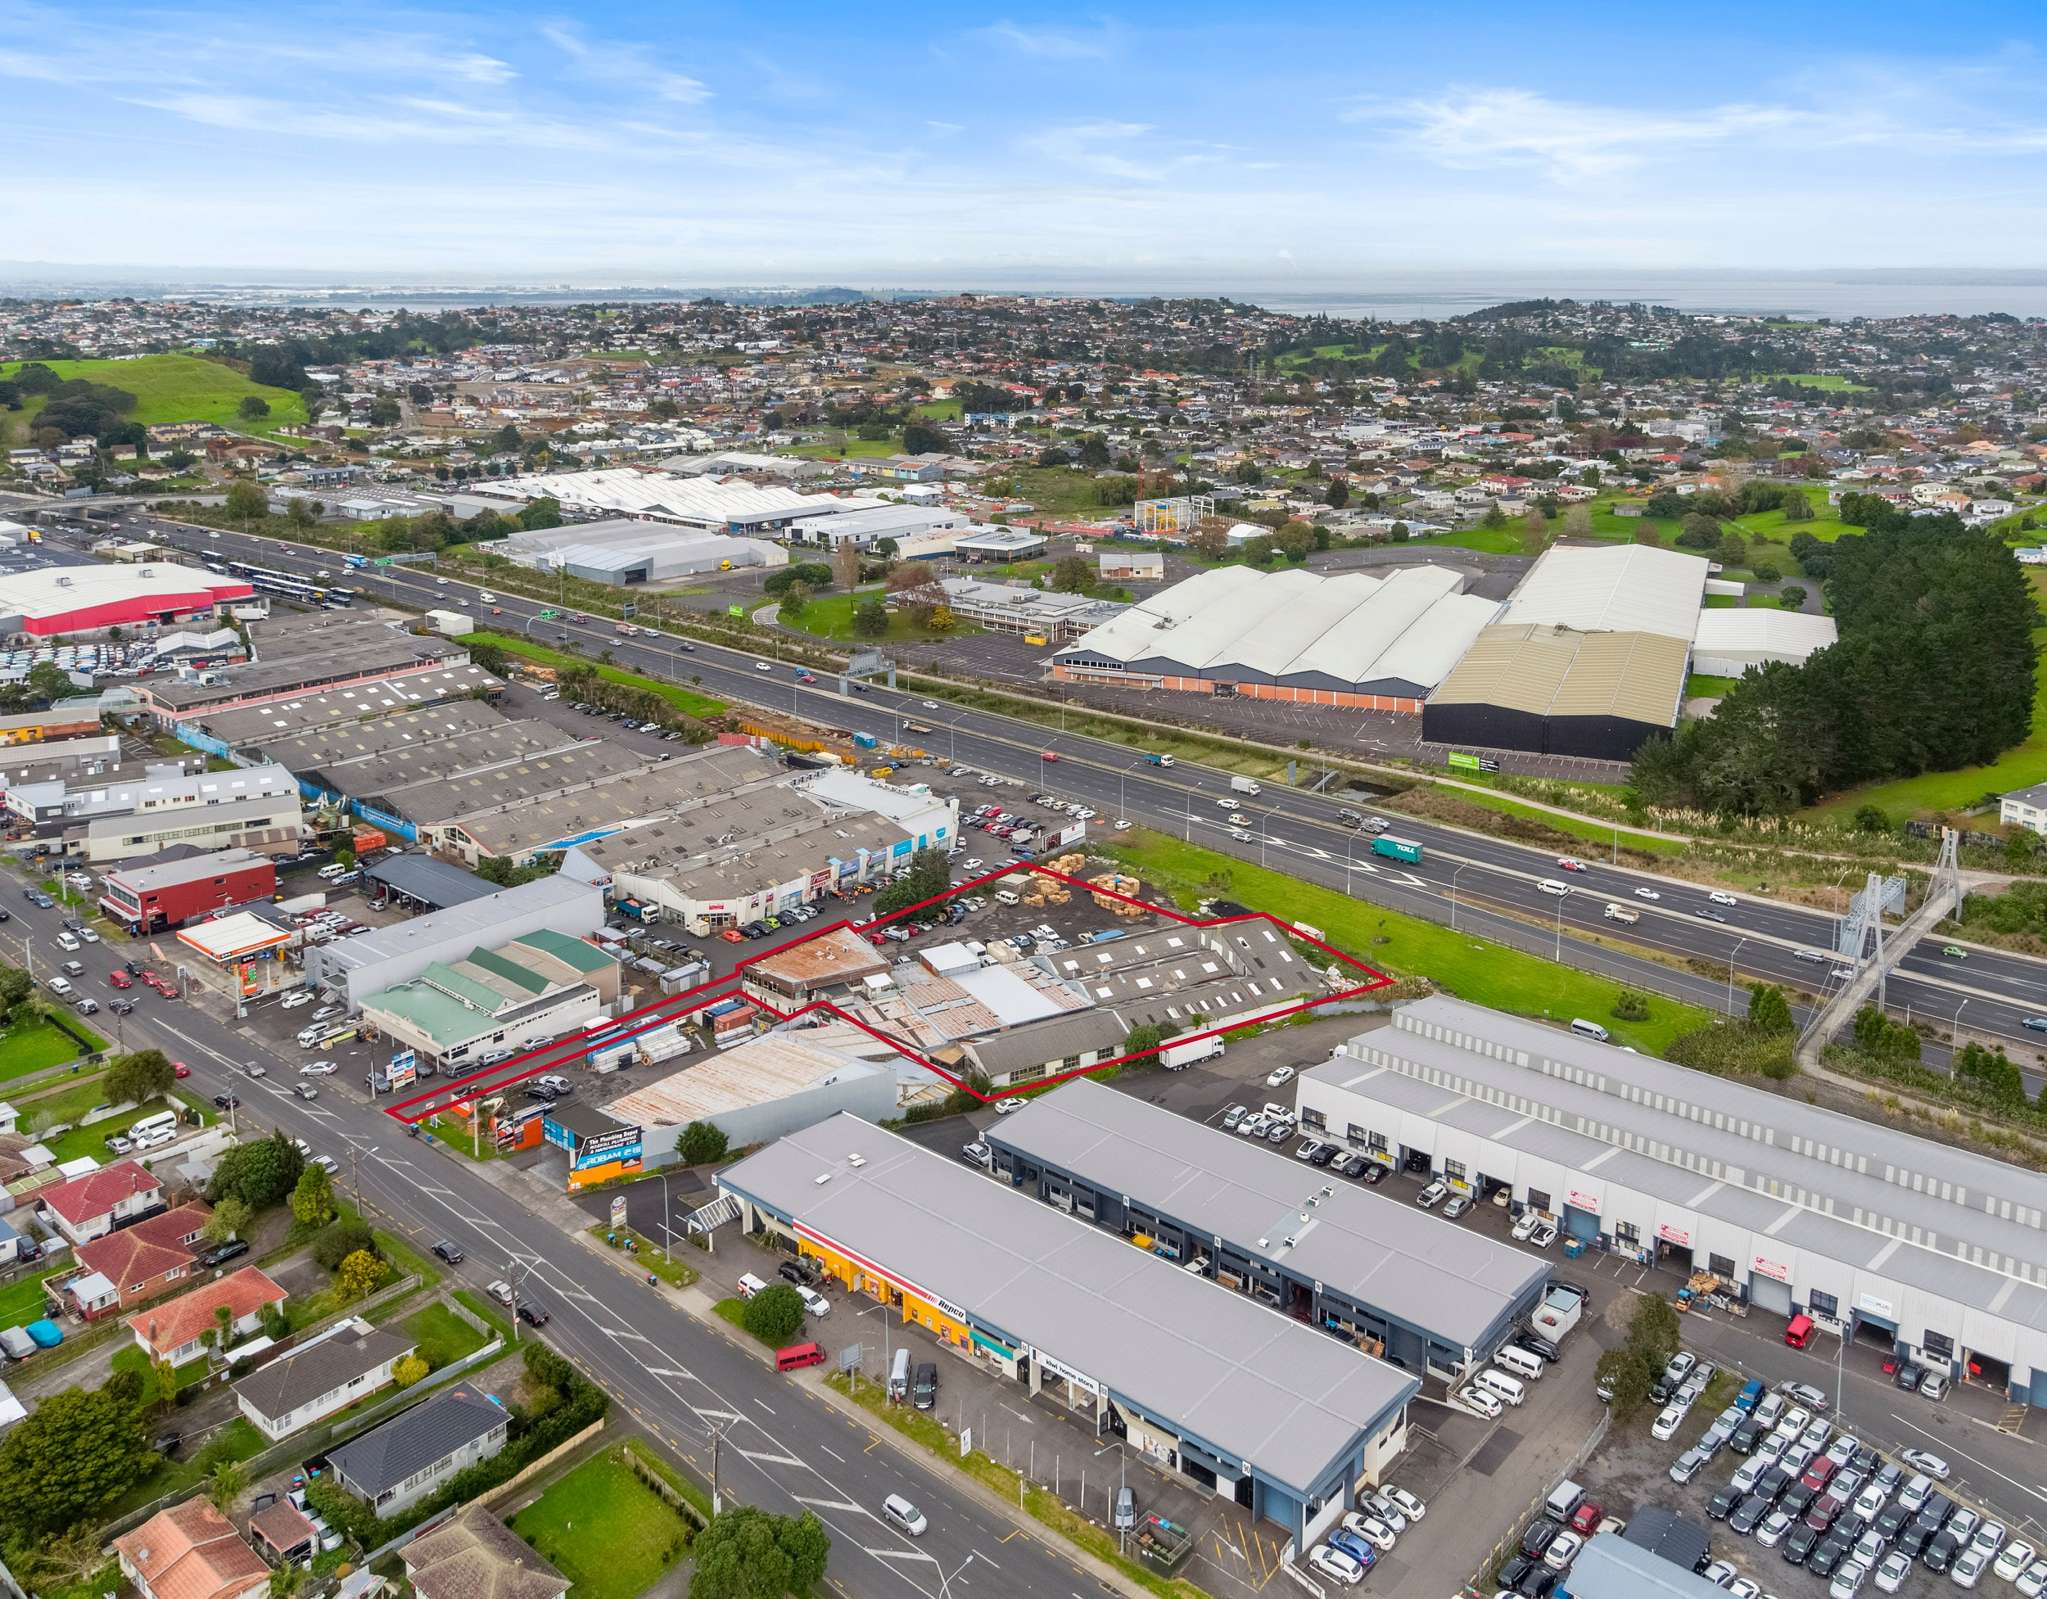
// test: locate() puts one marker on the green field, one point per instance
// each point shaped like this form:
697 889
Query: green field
174 388
443 1337
1471 968
850 450
1490 540
622 355
683 699
831 616
1829 382
1698 685
31 1046
609 1533
939 410
1061 491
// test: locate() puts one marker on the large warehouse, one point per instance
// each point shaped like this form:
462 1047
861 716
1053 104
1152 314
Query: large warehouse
50 600
1879 1236
1589 657
1729 641
1247 1402
706 503
626 549
1353 639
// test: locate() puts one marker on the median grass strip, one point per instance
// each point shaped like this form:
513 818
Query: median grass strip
1471 968
610 1534
649 1256
686 700
1045 1508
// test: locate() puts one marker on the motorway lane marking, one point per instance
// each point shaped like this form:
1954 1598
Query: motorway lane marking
627 1332
905 1554
762 1457
770 1409
828 1449
833 1504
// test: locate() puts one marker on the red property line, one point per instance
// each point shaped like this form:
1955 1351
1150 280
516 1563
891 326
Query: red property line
565 1051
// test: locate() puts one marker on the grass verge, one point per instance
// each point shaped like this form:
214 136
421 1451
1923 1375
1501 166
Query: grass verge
643 1452
686 700
1044 1508
609 1533
831 616
650 1256
1471 968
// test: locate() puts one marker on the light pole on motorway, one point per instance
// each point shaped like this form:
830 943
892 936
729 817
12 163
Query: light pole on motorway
1730 972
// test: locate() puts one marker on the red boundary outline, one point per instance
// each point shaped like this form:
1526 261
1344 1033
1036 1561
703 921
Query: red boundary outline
563 1052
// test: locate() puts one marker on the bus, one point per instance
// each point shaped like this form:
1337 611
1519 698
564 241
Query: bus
151 1131
315 592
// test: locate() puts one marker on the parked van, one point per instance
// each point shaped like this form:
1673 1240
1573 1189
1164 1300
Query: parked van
1585 1029
749 1285
1501 1386
332 870
1005 896
899 1377
1799 1330
1621 913
1520 1362
797 1356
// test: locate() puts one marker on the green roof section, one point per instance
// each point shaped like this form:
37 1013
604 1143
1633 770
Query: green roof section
584 957
489 960
461 986
447 1022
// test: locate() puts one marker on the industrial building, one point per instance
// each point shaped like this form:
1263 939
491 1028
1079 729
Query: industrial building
512 994
1048 615
303 656
72 600
246 728
126 814
1588 658
355 968
1892 1240
635 550
1729 641
1431 1296
1000 544
916 529
761 1089
1353 639
1229 1394
170 889
701 502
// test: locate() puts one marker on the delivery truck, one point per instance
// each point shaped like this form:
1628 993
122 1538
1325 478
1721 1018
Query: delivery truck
1159 760
1397 849
1244 785
1178 1057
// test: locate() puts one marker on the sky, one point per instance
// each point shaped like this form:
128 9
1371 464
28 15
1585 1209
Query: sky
1139 146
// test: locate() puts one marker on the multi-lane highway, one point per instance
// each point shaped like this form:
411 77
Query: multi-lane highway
781 1448
1488 885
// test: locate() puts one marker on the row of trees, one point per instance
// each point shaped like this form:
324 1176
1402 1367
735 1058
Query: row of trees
1934 670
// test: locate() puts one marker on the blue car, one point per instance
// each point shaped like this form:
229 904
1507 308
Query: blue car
1751 1395
1354 1546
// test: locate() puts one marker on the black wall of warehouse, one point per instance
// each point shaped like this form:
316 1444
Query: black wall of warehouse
1599 738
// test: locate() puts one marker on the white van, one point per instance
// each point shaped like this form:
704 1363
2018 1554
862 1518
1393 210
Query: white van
1004 896
1501 1386
1585 1029
334 869
1549 885
1520 1362
66 941
899 1377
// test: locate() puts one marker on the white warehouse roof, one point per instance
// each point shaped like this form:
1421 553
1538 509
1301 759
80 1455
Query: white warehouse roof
1235 623
705 502
1761 634
1616 588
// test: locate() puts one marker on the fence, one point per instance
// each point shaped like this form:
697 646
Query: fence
1527 1512
532 1469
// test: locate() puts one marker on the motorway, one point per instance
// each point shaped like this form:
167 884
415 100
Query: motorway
782 1449
1473 881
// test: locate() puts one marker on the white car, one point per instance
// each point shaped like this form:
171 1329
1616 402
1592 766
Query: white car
762 666
1544 1235
1004 1106
1479 1400
1929 1464
1373 1529
318 1068
1279 1075
1647 893
1989 1538
1530 1220
814 1302
1775 1525
1968 1568
88 935
1744 1588
1336 1565
1562 1551
2013 1559
2031 1583
1410 1507
293 1001
1666 1425
1848 1580
1720 896
1892 1570
929 705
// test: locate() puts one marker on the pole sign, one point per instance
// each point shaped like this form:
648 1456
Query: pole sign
617 1212
403 1070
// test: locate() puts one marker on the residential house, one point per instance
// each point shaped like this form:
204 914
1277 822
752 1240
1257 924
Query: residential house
191 1551
141 1261
177 1330
92 1206
320 1378
476 1556
399 1463
2024 807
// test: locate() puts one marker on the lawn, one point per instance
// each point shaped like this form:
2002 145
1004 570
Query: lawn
443 1337
622 355
92 1140
831 616
1702 685
1828 382
686 700
238 1440
131 1357
850 450
176 388
609 1533
1470 968
939 411
32 1045
1597 833
22 1301
1061 491
1490 540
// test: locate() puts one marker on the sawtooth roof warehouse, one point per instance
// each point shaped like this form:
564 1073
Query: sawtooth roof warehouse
1873 1232
1261 1408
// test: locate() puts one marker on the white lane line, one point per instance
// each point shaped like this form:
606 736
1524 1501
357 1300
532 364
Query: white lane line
831 1504
669 1371
720 1415
627 1332
762 1458
770 1409
907 1554
828 1449
1945 1444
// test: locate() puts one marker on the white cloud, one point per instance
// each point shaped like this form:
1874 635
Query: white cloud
1053 44
623 65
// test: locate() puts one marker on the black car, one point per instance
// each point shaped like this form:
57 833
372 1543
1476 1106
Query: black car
531 1314
1933 1515
451 1253
133 968
1722 1504
1797 1500
799 1272
1940 1553
1890 1521
1514 1568
1827 1555
1323 1156
1538 1346
1539 1583
1375 1174
220 1254
1748 1515
1865 1461
1744 1438
1540 1535
167 1443
1912 1539
226 1101
1907 1376
1773 1482
6 915
1707 914
1798 1544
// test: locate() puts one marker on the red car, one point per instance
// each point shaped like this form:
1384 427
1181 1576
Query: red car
732 935
1585 1519
1571 865
120 979
1049 755
181 1069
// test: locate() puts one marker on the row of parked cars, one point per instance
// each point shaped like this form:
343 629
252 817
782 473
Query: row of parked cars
1367 1532
1830 1502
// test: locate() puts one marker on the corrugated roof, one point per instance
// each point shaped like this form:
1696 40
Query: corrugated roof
1613 588
1555 671
1763 628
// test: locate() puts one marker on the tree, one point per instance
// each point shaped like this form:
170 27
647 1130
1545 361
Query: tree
1534 532
870 619
1769 1010
260 1174
246 501
253 408
300 513
808 1546
1622 1374
67 1461
312 1198
749 1553
1139 1040
361 1275
1337 495
1653 1328
1791 597
230 1219
507 439
342 1239
1073 575
773 1314
1578 522
384 412
1094 452
17 990
1294 540
409 1371
795 600
225 1486
928 876
920 438
700 1143
1698 532
139 1076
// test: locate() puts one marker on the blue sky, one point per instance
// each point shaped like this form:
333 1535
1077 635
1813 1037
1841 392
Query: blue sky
1136 146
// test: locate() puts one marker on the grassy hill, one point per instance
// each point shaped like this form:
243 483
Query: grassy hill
167 388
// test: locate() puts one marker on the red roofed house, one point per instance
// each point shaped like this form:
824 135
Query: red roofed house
191 1551
176 1330
143 1260
91 1206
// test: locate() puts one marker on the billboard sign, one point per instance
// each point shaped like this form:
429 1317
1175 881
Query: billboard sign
403 1070
621 1146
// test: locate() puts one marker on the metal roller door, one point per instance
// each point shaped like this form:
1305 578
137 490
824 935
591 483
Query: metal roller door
1766 1293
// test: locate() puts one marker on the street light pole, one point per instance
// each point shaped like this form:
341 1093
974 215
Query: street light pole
1453 892
1730 973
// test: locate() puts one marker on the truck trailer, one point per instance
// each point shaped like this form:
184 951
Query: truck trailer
1178 1057
1398 849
